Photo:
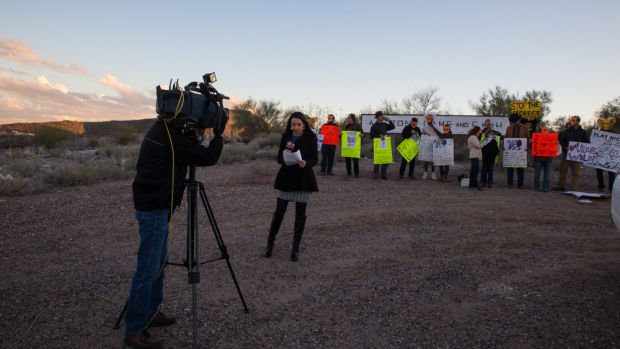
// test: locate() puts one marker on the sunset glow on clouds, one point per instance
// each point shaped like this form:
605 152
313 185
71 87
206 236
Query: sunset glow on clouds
28 98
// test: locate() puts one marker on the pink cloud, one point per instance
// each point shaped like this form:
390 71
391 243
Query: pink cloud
18 51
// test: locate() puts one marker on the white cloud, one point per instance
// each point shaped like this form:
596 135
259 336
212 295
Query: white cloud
18 51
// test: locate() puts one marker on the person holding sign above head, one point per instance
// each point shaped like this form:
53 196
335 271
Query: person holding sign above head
413 132
430 130
328 149
295 180
542 164
379 130
475 151
352 125
444 169
572 134
516 130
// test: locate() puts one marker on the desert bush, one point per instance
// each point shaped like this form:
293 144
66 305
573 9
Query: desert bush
55 152
71 174
11 186
75 143
24 168
267 153
238 152
15 141
125 135
268 139
49 137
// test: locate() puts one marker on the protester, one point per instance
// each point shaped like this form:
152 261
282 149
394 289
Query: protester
410 131
600 174
430 130
572 134
475 152
294 182
444 169
490 150
353 125
379 130
328 151
542 163
165 150
516 130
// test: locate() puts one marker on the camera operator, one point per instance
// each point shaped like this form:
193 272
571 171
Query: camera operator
154 198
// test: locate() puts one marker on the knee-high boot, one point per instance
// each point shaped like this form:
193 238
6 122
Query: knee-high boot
300 222
273 231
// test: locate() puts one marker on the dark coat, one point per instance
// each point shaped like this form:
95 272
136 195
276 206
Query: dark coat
293 177
407 132
490 151
574 135
152 185
378 129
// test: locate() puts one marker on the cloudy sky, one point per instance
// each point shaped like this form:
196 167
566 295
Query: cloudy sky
90 61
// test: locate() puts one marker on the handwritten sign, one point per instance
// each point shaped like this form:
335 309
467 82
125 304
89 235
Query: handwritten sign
382 151
351 145
319 142
529 110
607 150
408 149
582 152
426 148
330 134
515 152
545 144
459 124
443 152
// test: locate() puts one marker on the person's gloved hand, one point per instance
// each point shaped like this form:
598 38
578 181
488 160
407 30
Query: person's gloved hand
220 126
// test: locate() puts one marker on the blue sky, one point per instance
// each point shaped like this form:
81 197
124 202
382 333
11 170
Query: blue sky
101 60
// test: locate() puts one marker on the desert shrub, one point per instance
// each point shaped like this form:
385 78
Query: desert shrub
267 153
24 168
10 186
75 143
15 141
55 152
238 152
49 137
268 139
93 142
71 174
125 135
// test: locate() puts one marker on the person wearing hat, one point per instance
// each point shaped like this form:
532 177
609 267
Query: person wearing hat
574 133
410 131
430 130
379 130
516 130
328 151
352 125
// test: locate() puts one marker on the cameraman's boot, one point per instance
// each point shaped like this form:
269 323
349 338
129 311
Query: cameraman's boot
273 231
300 222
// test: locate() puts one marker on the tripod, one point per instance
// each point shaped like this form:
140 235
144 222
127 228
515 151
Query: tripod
191 262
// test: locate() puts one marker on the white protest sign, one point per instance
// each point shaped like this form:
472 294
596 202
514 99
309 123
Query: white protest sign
582 152
351 140
607 150
443 152
515 152
426 148
319 141
460 124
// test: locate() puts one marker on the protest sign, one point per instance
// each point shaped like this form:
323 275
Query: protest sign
529 110
607 150
330 134
408 149
459 124
319 142
426 148
545 144
582 152
515 152
382 149
443 152
351 145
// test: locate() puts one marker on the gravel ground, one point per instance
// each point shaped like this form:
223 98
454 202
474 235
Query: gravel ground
398 263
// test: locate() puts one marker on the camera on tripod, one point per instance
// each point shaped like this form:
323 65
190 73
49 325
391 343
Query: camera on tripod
194 108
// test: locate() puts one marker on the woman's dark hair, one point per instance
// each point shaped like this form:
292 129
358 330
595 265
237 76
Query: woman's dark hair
378 114
352 116
296 115
473 131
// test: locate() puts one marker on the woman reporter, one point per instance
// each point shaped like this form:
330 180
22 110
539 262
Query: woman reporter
294 182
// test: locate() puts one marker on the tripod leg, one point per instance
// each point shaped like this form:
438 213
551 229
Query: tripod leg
220 241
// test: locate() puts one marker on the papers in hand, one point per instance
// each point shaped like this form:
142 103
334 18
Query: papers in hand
291 158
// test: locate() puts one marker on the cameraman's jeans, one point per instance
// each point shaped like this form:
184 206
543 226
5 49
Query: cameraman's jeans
327 157
146 296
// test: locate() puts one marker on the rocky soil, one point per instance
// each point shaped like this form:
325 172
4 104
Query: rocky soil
397 263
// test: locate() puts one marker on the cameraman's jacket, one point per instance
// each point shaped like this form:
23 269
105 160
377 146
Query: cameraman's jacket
295 178
152 185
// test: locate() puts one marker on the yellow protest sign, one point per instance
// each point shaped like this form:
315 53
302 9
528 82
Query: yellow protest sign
351 144
529 110
408 149
382 149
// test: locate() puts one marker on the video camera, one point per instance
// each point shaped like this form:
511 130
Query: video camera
196 106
